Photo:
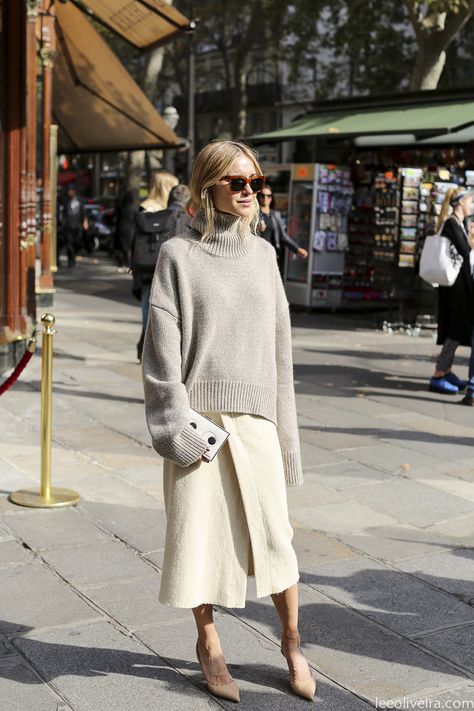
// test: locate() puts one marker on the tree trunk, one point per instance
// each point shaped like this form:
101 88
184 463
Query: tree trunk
434 31
135 166
240 68
136 163
428 68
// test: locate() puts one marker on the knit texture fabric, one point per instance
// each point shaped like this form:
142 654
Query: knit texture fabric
218 338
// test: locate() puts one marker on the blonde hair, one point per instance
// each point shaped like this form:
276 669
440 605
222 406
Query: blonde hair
447 209
161 185
211 164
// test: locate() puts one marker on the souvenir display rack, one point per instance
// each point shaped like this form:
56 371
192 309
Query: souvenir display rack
320 202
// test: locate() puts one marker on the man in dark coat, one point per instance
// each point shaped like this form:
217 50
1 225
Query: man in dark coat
74 221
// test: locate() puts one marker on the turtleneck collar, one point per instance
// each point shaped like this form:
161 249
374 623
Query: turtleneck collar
228 238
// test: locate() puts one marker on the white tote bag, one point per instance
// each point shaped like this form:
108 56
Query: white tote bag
440 262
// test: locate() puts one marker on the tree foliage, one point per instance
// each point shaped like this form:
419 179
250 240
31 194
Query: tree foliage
436 23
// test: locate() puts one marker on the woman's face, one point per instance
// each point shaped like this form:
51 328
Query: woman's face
466 204
242 203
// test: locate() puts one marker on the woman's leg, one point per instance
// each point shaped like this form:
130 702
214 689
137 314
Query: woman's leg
446 358
210 650
286 605
470 387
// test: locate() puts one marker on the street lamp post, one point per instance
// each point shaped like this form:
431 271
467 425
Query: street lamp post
171 118
191 87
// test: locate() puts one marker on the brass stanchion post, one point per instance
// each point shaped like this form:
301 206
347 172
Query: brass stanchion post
48 496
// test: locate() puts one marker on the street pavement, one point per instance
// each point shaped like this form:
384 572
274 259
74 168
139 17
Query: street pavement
383 529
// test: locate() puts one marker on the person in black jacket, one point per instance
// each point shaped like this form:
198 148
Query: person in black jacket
124 231
175 218
272 228
456 302
74 221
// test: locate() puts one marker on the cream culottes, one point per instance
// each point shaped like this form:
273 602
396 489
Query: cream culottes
228 519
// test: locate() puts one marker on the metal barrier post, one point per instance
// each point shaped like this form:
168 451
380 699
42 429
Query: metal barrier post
47 496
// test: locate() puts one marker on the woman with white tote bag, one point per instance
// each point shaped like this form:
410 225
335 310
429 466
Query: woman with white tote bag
456 302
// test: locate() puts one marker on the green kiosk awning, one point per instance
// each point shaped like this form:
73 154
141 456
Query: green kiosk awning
420 120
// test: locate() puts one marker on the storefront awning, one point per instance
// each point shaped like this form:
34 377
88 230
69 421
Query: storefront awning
96 103
143 23
421 121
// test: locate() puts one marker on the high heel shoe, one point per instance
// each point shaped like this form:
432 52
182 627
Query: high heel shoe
305 688
225 691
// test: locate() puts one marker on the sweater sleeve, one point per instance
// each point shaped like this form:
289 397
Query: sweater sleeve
284 236
166 398
287 422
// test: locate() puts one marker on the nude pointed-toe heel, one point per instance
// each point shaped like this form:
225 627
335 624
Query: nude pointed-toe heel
305 688
225 691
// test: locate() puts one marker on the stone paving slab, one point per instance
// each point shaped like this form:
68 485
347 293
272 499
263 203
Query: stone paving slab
390 457
348 474
142 528
97 668
46 529
340 517
393 544
13 553
94 564
397 601
33 597
459 529
314 546
22 690
412 502
134 603
452 571
460 695
456 644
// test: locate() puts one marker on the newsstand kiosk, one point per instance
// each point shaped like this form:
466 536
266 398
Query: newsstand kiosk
319 206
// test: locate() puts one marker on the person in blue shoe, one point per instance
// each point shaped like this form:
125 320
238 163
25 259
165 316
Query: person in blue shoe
456 302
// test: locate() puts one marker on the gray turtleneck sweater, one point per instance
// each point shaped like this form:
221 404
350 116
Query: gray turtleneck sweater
218 338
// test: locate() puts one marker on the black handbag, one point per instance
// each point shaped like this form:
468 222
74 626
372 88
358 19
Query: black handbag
151 230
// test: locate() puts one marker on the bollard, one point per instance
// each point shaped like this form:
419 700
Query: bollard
47 496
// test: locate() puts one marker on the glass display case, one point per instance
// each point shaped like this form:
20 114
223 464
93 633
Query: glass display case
320 202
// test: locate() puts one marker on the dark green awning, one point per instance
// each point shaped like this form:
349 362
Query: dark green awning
421 120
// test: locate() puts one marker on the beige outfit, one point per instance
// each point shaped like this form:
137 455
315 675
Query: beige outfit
228 519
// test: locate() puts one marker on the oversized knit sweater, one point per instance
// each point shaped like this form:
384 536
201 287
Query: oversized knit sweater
218 338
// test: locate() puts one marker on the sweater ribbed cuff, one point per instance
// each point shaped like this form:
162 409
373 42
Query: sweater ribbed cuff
293 468
186 448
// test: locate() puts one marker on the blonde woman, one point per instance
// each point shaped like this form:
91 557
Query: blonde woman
456 302
162 184
219 340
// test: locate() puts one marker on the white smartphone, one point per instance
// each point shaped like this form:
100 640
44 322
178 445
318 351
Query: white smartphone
210 431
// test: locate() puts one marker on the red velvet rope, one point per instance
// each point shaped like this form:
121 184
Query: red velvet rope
23 362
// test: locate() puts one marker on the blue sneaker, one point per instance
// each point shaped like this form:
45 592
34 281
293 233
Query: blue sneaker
454 380
442 385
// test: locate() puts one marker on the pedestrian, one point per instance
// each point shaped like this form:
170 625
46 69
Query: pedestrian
125 228
272 228
157 199
74 222
456 302
179 217
219 341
